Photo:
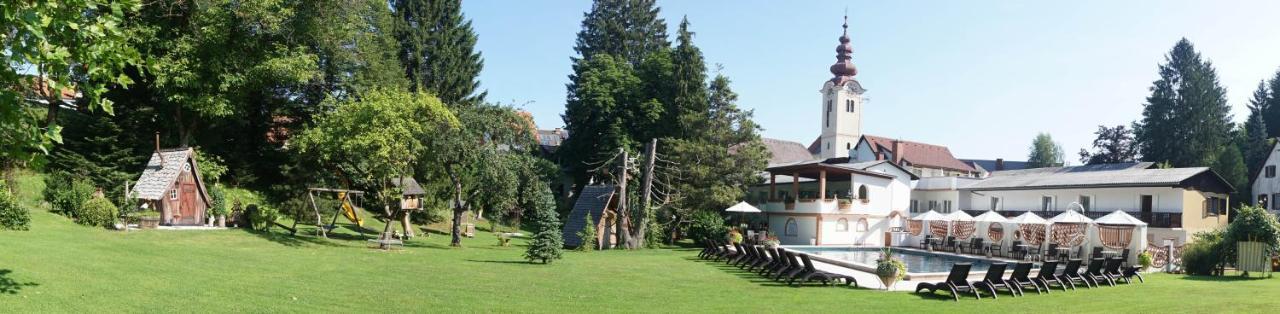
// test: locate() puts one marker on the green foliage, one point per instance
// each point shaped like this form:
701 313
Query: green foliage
1113 145
1145 259
1186 120
1044 152
1205 254
12 215
437 49
354 46
689 106
1231 167
67 194
1267 101
1255 146
211 167
93 148
1254 224
98 212
627 29
218 201
887 265
587 234
69 45
261 216
707 225
547 239
605 111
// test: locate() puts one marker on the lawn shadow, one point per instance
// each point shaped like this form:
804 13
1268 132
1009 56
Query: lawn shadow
1228 278
291 240
10 286
499 262
755 277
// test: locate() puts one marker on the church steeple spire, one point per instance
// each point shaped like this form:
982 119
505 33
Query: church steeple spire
843 69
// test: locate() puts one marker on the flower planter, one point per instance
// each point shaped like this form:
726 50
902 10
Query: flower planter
889 280
222 221
149 222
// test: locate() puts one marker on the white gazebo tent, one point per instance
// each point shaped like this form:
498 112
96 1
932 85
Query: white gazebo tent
1031 228
985 221
918 226
1071 229
1118 230
962 225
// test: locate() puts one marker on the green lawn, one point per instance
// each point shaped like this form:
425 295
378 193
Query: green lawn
62 267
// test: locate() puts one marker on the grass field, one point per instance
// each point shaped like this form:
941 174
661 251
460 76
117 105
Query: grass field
62 267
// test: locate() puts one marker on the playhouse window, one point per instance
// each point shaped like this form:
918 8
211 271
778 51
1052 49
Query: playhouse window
173 194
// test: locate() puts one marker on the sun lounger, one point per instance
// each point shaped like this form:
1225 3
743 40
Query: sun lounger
813 274
779 263
1020 280
995 280
762 258
797 267
1112 270
1094 273
1071 273
1048 275
957 282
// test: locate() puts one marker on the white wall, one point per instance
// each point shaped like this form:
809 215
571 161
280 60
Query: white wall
1268 186
1167 199
806 229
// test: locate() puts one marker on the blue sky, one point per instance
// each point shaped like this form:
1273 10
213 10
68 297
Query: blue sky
981 77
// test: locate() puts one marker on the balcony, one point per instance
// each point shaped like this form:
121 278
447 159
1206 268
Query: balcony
1153 220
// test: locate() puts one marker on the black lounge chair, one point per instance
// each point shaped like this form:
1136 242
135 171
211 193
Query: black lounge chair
1014 249
995 248
779 263
1071 273
754 259
995 279
1020 279
1097 252
1132 271
813 274
773 261
1048 276
1051 251
1112 270
1094 273
762 259
742 256
797 267
724 251
957 282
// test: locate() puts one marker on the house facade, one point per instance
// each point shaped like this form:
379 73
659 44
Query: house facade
1266 185
834 202
172 185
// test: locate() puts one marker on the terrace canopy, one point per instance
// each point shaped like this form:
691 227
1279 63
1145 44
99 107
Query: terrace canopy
962 225
993 224
816 170
916 224
1031 228
1119 230
1069 228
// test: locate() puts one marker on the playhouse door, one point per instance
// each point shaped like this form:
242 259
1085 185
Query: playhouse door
188 207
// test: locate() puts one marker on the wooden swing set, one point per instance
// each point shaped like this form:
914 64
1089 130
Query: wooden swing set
348 202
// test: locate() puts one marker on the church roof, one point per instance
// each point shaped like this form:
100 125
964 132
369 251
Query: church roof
919 154
784 151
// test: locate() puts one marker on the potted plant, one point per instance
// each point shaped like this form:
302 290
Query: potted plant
772 242
1144 259
889 269
148 219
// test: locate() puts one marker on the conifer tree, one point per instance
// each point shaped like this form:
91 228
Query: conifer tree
1186 120
437 49
547 240
1267 99
627 29
1255 145
587 234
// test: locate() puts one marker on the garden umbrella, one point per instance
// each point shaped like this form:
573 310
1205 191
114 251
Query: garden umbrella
742 208
962 225
1031 223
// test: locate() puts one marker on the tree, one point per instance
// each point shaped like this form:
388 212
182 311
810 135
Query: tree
49 48
1267 100
437 49
1044 152
372 157
603 112
547 240
627 29
1186 120
717 165
1230 166
1113 145
690 103
1255 146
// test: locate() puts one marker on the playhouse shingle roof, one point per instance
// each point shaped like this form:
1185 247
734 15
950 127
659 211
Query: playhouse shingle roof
155 179
594 199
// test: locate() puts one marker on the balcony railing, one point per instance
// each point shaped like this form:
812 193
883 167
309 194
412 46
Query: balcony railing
1153 219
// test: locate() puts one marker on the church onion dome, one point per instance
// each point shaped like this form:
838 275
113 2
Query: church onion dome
843 69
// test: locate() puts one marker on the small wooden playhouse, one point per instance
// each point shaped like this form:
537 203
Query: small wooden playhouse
599 202
171 184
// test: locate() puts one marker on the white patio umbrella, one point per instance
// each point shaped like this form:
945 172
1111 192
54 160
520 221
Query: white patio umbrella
958 215
1120 218
1029 218
956 218
742 208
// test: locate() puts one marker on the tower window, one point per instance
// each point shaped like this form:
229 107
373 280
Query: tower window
848 105
828 106
848 145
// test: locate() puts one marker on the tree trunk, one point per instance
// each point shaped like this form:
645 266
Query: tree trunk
646 189
624 213
404 223
457 207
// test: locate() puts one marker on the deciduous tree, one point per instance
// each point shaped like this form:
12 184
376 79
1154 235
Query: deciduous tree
1044 152
1113 145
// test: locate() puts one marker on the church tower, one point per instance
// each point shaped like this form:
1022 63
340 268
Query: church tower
841 104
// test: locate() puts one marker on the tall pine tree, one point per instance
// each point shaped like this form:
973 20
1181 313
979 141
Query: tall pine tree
437 49
547 239
628 29
1267 99
1186 120
1255 146
690 103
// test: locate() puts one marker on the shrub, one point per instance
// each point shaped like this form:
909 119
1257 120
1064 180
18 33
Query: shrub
67 194
12 215
587 234
261 217
547 240
1145 259
1254 224
1203 256
706 225
218 201
98 212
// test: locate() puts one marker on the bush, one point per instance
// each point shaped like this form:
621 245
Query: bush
587 234
261 217
67 194
547 241
1253 224
705 225
98 212
12 215
218 201
1203 256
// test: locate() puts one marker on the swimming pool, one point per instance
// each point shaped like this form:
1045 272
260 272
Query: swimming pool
917 261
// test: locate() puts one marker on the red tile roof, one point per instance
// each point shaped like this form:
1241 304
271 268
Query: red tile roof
920 154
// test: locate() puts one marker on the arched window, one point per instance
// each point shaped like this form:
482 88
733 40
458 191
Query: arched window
842 225
861 226
862 193
790 228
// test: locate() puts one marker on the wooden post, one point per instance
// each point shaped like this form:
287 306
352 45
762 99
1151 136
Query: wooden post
319 221
822 185
638 235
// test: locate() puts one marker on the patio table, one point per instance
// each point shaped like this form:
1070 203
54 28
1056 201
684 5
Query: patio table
1110 254
1025 248
1063 251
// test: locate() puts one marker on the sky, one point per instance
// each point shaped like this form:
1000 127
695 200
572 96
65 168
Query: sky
980 77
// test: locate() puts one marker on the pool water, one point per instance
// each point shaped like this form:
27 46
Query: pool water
917 261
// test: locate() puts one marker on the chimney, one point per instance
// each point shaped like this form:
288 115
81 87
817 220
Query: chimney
158 155
897 152
999 164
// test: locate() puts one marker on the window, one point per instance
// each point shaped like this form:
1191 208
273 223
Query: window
862 193
995 203
848 105
1271 171
862 225
842 225
828 106
848 145
1046 203
933 205
1215 206
1275 205
1086 203
790 228
828 117
915 206
173 194
946 206
1262 201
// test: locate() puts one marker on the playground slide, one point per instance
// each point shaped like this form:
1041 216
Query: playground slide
349 211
